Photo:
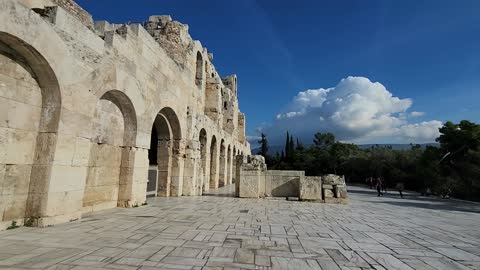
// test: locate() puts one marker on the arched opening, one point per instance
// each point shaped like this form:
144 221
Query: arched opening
114 133
30 103
163 155
213 163
203 160
159 156
199 70
229 166
222 171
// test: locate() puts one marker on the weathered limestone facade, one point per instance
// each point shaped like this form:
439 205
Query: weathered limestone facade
90 110
255 181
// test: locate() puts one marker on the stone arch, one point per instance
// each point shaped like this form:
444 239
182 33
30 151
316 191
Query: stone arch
174 122
165 155
199 70
123 102
29 120
222 173
203 159
213 163
109 172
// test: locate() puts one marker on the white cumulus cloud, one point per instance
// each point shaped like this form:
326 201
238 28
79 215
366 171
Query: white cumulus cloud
356 110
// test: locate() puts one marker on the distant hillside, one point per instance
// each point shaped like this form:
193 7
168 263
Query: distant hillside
398 146
272 150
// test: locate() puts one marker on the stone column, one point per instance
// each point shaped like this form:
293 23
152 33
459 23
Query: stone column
214 169
164 160
222 168
234 167
251 173
230 162
206 171
178 161
133 177
191 169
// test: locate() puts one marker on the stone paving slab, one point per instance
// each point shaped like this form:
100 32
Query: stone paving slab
222 232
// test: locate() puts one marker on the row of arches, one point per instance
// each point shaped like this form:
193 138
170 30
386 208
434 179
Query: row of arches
219 169
40 174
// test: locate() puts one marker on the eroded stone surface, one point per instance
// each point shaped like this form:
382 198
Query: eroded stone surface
311 188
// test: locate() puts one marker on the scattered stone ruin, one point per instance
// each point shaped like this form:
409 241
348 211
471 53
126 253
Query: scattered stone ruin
255 181
95 115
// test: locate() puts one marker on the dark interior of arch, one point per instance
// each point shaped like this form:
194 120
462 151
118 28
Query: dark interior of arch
160 131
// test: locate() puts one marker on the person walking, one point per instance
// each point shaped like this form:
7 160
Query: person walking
384 185
400 188
379 188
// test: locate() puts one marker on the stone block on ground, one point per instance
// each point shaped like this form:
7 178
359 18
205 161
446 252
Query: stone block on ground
311 188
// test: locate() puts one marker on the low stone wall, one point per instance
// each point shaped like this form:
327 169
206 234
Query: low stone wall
255 181
283 183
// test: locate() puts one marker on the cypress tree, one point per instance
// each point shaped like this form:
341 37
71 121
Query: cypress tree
299 145
291 149
287 147
263 146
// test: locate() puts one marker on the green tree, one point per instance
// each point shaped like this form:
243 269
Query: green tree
263 145
287 147
291 150
300 146
460 144
323 140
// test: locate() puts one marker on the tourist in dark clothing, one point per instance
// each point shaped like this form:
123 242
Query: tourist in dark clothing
400 189
379 188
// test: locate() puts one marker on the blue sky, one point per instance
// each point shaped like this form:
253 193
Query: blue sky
426 52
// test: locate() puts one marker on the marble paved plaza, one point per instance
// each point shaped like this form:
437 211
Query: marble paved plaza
221 232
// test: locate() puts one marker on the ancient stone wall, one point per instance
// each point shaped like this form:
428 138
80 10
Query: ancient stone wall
253 180
89 110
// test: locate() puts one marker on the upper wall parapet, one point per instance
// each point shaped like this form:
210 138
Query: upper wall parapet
173 36
77 11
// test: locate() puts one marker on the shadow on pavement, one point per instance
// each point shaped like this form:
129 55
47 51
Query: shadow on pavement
414 200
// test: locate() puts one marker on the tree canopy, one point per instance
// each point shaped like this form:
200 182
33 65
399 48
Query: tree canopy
451 168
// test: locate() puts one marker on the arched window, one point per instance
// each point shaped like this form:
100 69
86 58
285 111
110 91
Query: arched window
199 70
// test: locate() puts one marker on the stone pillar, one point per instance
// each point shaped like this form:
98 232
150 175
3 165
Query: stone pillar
190 175
222 169
251 172
229 167
206 172
133 177
57 181
164 160
234 167
214 169
178 161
